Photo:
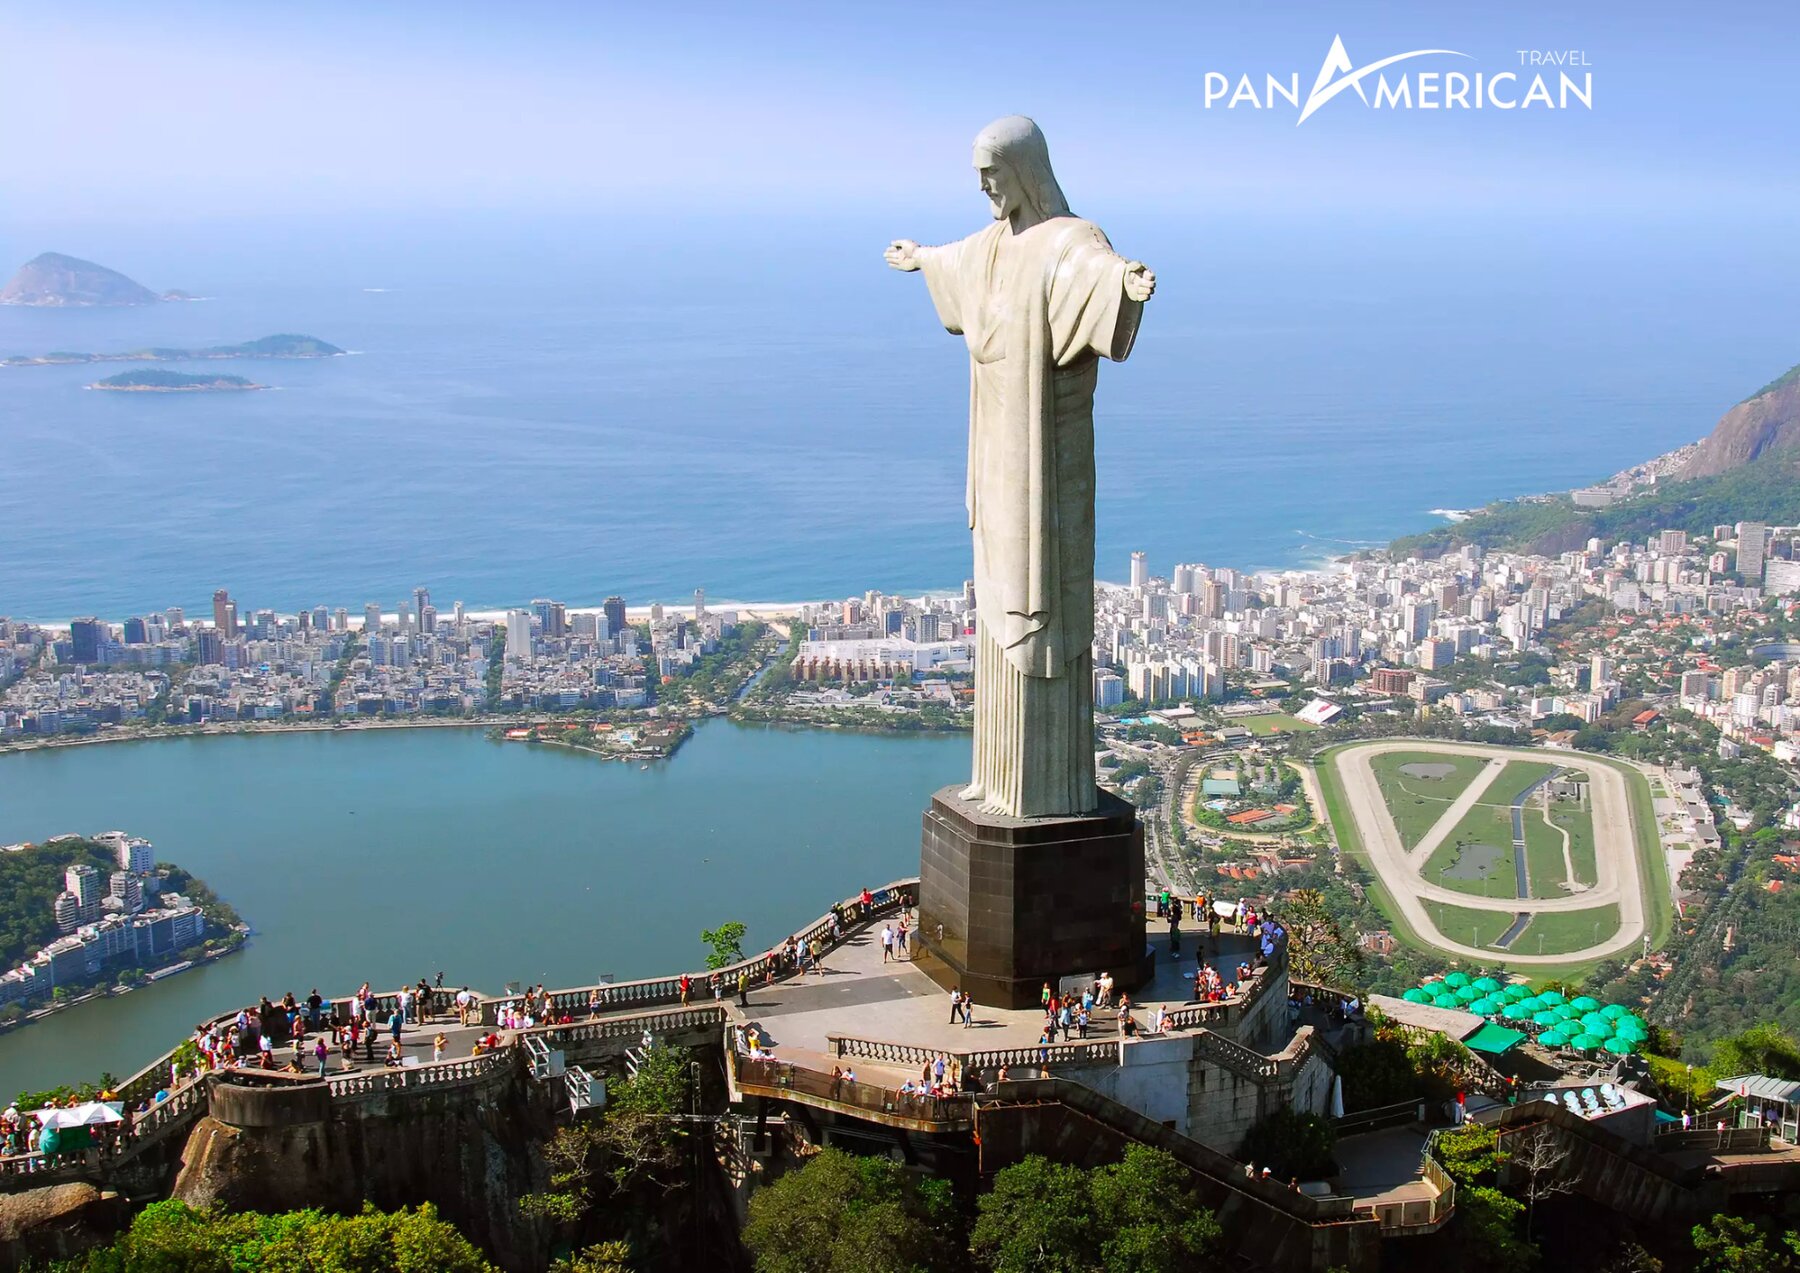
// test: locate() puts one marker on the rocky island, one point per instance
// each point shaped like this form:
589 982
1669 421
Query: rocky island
54 280
286 345
174 382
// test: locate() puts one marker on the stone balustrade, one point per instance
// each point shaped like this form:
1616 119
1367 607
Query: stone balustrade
1097 1052
759 969
438 1076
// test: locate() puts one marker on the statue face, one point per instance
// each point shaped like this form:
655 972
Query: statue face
999 184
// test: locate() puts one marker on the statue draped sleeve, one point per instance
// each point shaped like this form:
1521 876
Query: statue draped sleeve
1057 304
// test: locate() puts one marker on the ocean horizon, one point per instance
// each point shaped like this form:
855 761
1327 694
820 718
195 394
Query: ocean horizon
576 408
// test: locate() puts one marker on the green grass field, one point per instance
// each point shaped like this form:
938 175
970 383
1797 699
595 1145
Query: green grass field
1579 823
1416 804
1557 932
1477 928
1274 723
1484 826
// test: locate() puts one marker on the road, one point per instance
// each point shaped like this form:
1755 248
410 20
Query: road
1619 878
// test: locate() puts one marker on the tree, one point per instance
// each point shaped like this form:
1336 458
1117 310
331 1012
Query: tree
1138 1215
1734 1244
1762 1049
1290 1144
1538 1156
727 942
846 1214
602 1257
1319 950
572 1155
172 1237
638 1132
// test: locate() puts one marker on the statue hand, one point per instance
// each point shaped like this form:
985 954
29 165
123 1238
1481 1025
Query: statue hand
902 254
1140 281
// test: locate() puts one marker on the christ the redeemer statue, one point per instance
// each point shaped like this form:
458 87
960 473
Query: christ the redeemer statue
1040 297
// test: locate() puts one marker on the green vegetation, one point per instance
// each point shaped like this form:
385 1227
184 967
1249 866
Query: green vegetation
1763 491
1486 826
1786 378
1274 723
1134 1216
1290 1144
722 673
1544 847
29 883
1485 1230
726 942
1559 932
173 380
1736 1244
846 1214
1471 927
1416 803
172 1237
283 346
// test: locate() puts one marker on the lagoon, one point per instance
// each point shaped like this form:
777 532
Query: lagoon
385 855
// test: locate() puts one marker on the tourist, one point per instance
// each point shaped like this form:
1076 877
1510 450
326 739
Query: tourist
314 1002
956 1005
900 941
868 902
938 1067
743 987
1162 1019
1002 1075
1044 1042
849 1074
320 1053
687 986
1044 997
393 1055
437 1046
717 989
1081 1020
887 943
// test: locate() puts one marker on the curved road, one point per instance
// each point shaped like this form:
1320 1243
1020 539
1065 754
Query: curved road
1618 876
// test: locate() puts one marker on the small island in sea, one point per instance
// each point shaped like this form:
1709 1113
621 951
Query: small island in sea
286 345
151 381
54 280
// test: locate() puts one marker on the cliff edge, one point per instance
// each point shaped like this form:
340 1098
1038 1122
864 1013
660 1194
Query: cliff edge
1768 420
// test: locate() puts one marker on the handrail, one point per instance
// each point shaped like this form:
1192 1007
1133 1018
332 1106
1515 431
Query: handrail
779 1078
651 991
1095 1052
438 1075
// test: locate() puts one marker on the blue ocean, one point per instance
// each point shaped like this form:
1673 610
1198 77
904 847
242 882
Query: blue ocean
579 406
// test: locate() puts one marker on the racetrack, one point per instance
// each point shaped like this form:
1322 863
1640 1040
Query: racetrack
1618 872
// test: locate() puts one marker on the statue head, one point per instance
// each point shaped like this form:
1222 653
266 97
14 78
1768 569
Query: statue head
1014 162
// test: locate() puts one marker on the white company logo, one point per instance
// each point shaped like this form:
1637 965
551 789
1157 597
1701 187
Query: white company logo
1415 89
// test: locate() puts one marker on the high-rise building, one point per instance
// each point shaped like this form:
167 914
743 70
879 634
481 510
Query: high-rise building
1672 543
67 910
87 884
551 617
1600 671
85 636
518 634
421 603
224 613
1753 541
136 854
137 632
371 618
128 889
1140 570
699 602
174 617
614 609
211 646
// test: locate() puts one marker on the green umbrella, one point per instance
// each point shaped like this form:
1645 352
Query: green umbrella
1416 996
1630 1030
1585 1042
1586 1003
1467 994
1630 1018
1516 1012
1551 997
1613 1011
1432 987
1487 985
1594 1023
1457 980
1532 1004
1446 1001
1553 1038
1565 1013
1487 1006
1620 1044
1516 991
1545 1018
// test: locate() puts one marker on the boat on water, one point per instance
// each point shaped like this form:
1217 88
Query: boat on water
170 971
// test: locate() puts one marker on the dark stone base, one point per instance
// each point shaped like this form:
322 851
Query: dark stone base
1023 901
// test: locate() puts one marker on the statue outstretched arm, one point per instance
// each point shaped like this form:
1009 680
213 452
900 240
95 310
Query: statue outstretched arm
904 254
1140 282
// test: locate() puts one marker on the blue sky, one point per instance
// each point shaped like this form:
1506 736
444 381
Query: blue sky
163 112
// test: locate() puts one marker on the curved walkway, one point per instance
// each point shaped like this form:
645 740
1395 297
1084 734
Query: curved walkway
1618 873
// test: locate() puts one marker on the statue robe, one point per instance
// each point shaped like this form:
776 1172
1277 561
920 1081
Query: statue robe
1037 309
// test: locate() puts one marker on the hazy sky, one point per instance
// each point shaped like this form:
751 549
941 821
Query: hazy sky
125 110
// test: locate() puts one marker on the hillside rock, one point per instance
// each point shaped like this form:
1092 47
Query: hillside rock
53 279
57 1222
1770 421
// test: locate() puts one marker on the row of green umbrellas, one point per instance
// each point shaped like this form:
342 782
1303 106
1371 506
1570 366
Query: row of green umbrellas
1582 1022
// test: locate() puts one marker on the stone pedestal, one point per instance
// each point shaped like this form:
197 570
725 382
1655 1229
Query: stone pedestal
1023 901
